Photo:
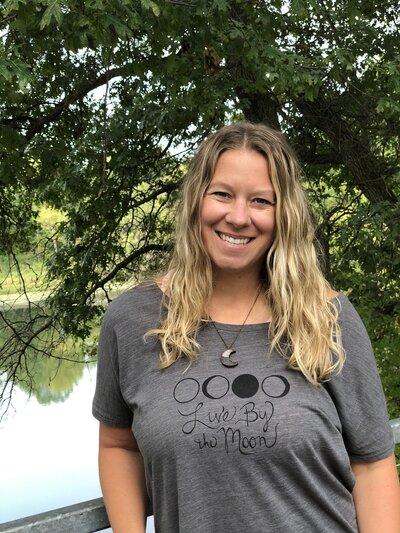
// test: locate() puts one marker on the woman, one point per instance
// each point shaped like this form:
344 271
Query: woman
239 392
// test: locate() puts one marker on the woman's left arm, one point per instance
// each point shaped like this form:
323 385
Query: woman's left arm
377 496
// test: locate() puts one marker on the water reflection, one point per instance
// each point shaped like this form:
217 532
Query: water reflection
48 453
51 365
49 439
53 380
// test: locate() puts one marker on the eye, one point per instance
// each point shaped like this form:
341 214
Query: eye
263 201
221 194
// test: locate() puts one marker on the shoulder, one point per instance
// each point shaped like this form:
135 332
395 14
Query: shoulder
342 302
346 310
331 294
139 304
353 331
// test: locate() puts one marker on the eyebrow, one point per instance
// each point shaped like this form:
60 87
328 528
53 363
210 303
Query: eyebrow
258 192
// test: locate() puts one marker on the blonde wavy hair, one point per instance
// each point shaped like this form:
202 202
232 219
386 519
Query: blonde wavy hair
304 326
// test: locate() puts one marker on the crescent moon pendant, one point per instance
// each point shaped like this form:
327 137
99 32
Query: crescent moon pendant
226 360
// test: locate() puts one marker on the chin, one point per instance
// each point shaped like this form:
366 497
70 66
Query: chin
225 268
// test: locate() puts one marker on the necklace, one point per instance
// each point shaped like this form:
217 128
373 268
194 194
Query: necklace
226 354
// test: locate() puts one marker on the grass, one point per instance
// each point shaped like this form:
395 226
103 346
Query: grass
30 270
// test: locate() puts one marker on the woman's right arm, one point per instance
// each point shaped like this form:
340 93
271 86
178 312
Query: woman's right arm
122 479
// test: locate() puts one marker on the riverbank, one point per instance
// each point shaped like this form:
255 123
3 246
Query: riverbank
24 300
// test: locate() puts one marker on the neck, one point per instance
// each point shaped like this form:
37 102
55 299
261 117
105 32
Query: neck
235 286
232 301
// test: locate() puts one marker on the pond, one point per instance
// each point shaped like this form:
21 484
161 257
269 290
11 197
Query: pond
48 453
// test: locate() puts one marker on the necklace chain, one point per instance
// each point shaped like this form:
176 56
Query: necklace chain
242 325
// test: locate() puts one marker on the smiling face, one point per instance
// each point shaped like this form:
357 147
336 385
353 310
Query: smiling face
238 213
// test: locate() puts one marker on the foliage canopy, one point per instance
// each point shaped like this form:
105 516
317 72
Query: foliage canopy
102 101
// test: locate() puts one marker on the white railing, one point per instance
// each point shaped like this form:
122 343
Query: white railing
84 517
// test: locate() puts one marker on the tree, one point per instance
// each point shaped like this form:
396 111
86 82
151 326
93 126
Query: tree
102 101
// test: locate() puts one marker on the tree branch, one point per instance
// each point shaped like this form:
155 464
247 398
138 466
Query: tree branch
37 125
122 264
368 172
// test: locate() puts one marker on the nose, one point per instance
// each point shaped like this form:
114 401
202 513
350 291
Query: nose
238 215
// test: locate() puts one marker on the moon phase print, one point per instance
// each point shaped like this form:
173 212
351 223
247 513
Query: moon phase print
231 416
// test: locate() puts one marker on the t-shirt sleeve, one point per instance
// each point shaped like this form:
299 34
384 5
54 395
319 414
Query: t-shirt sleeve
358 394
108 405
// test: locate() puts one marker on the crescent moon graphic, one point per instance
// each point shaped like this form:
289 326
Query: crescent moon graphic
226 360
219 386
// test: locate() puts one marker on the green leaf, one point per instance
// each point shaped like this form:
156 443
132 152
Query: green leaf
22 73
53 10
221 5
150 5
12 5
5 71
120 29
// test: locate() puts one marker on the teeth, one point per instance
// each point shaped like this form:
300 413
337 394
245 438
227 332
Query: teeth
231 240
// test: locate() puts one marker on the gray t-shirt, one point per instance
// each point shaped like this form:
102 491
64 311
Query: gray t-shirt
254 448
